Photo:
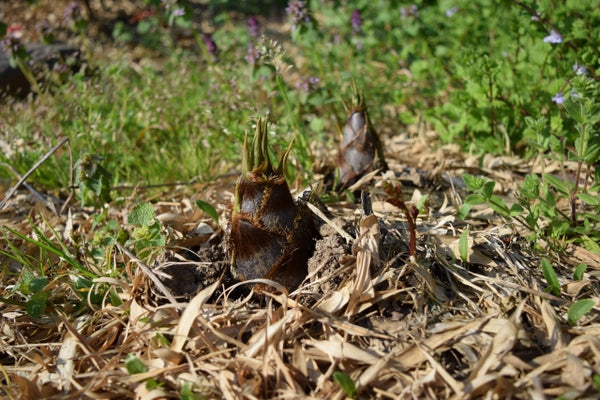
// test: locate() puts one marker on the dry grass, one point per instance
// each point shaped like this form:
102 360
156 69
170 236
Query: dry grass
431 326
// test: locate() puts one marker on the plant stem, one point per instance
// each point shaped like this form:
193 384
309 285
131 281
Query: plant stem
28 75
299 135
395 198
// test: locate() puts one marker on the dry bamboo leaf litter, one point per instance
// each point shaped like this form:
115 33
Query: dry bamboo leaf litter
431 327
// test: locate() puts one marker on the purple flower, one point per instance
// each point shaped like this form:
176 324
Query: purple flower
253 55
451 11
179 12
356 22
553 37
558 98
298 12
308 84
60 68
43 28
12 46
536 17
580 69
210 44
72 12
574 94
253 26
412 10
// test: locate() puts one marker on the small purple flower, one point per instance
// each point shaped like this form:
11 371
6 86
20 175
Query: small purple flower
253 55
313 81
451 11
72 12
308 84
580 69
253 26
409 11
179 12
558 98
210 44
60 68
536 17
43 28
574 94
356 22
298 12
553 37
12 46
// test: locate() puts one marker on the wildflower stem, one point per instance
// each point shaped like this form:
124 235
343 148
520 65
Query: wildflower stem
28 74
491 100
299 134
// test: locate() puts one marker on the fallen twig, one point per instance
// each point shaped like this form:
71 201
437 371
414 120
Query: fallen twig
12 190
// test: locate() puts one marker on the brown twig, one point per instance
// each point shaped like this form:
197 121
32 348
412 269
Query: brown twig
159 285
13 189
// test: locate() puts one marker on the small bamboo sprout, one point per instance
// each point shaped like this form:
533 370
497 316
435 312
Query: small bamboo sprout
360 151
271 236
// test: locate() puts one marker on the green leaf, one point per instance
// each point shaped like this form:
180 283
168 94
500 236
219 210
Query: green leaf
152 384
575 110
516 210
317 124
473 183
596 380
37 304
186 393
464 211
475 198
589 199
497 204
115 300
487 189
463 245
346 383
208 209
421 203
141 215
579 309
550 275
557 184
590 244
134 365
579 271
37 284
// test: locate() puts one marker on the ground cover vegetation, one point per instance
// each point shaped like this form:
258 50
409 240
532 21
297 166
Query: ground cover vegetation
431 228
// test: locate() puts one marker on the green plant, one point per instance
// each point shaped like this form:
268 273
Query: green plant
135 366
92 179
346 383
147 236
579 309
483 192
46 281
551 278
